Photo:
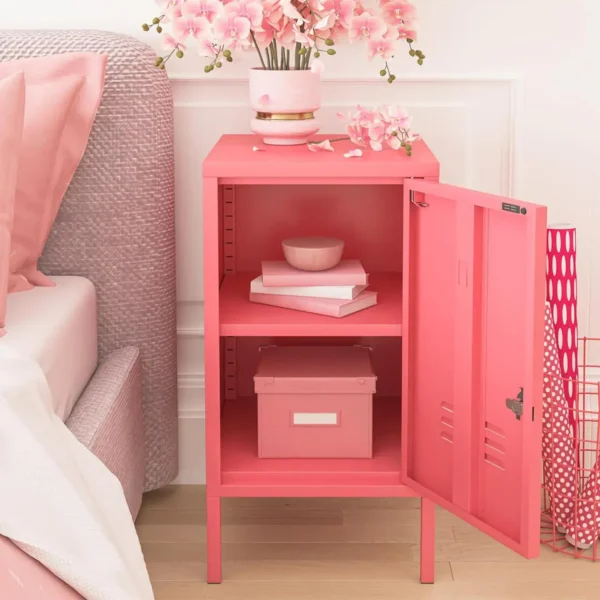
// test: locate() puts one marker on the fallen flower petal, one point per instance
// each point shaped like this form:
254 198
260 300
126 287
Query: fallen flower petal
317 147
352 153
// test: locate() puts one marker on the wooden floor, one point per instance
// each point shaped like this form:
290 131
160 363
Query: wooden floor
339 549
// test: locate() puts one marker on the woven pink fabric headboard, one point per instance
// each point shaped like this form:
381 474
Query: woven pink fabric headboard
116 225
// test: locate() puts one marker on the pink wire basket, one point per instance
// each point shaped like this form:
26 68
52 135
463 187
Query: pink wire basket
571 501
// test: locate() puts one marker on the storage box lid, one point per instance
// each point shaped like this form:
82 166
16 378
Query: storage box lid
314 369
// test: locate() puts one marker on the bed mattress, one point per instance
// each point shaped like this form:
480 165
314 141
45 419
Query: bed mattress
58 328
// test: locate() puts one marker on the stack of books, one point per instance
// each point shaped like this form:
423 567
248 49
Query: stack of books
337 292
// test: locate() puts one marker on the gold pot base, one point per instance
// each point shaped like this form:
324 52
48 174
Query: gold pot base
264 116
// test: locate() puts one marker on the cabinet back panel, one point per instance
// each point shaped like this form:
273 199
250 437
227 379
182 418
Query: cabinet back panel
367 217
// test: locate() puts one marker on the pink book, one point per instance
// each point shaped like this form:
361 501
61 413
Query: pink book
280 274
329 307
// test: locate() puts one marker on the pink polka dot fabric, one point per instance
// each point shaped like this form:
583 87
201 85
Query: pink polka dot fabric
584 527
561 293
558 452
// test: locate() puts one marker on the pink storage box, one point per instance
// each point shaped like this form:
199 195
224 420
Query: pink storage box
315 402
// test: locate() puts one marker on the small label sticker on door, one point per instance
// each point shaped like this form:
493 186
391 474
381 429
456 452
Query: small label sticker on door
513 208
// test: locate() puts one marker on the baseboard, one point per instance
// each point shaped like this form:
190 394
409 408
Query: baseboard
191 448
191 429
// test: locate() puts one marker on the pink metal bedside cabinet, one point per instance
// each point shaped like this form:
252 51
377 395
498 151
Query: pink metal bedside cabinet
456 335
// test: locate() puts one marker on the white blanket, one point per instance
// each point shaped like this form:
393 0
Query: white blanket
58 502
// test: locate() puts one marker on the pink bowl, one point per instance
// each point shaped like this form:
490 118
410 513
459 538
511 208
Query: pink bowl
313 253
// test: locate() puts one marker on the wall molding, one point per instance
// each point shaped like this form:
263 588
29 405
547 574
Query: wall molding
190 392
190 331
480 149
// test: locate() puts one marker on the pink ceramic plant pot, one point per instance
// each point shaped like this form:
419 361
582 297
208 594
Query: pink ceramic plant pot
313 253
285 103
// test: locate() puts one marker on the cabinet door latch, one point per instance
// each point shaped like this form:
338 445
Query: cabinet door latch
417 202
516 404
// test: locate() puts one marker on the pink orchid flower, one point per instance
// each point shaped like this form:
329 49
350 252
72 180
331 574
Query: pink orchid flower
407 31
366 26
396 118
232 31
377 135
272 12
210 9
364 116
197 27
290 11
302 38
207 48
171 9
318 147
316 6
249 9
342 11
265 35
398 12
391 34
382 48
286 36
358 134
170 43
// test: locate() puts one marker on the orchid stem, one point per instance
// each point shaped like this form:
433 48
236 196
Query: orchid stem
306 63
258 50
341 139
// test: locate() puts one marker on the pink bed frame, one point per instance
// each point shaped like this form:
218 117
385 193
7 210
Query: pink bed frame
456 334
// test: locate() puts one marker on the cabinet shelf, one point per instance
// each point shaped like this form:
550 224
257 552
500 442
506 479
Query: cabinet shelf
241 468
240 317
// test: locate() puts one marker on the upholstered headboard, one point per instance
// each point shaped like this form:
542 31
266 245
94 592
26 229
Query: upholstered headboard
116 225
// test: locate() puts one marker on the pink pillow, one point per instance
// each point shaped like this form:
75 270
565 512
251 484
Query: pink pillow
12 108
63 93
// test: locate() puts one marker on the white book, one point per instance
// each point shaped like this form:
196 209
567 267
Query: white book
338 292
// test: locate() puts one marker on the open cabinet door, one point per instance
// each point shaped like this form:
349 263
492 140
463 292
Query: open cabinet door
474 294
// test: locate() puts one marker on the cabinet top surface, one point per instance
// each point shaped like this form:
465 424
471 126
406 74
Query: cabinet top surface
233 157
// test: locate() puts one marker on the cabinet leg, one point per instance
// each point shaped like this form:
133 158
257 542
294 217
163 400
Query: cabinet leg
427 540
213 540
